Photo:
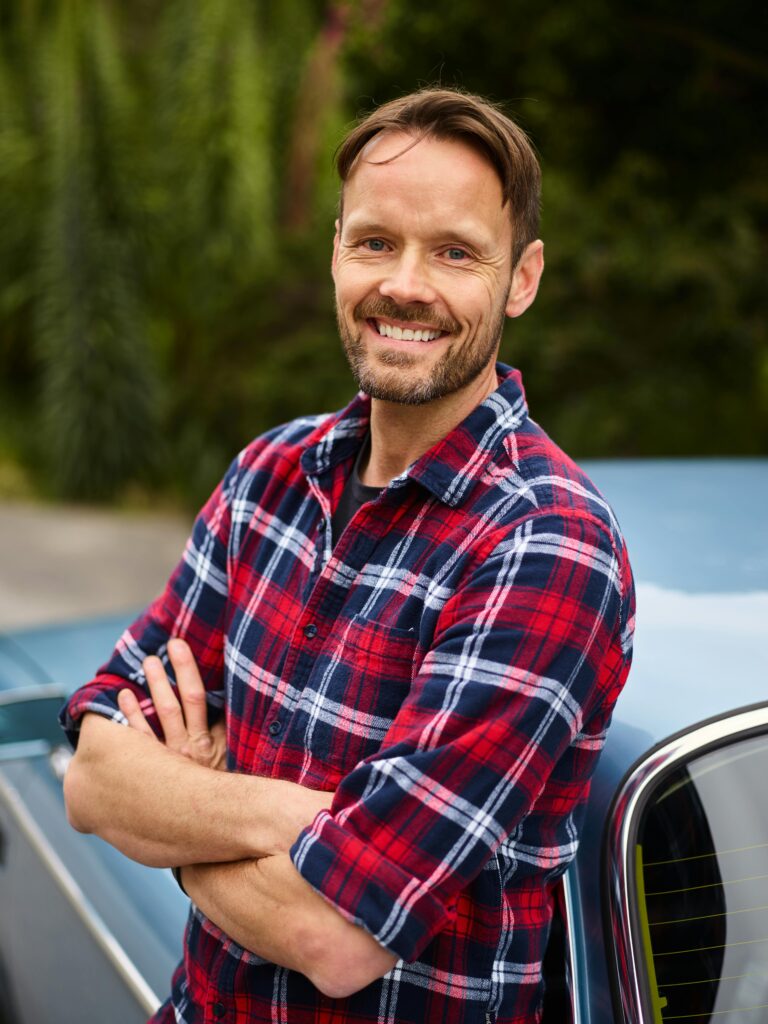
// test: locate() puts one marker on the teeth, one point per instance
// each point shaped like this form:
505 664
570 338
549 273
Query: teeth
406 334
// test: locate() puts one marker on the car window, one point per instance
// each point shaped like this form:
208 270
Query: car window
701 879
557 1007
30 715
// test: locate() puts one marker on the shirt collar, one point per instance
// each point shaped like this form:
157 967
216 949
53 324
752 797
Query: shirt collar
453 466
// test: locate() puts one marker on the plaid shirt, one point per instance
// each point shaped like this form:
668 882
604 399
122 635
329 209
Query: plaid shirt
449 669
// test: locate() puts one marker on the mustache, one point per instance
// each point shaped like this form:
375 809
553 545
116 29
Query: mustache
372 308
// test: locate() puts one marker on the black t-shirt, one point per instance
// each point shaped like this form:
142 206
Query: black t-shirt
354 494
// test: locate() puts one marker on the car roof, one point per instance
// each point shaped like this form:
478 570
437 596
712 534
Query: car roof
697 534
66 654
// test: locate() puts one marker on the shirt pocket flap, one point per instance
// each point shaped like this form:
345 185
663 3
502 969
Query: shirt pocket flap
356 691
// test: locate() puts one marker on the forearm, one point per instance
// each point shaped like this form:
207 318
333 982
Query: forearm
162 809
268 908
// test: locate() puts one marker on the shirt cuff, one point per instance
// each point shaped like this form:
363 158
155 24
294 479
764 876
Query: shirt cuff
367 888
100 696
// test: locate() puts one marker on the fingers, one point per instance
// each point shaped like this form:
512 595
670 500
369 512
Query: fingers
166 704
130 707
218 734
183 717
190 687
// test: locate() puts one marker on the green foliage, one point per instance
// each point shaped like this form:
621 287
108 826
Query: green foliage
145 277
647 338
167 198
20 177
650 335
97 387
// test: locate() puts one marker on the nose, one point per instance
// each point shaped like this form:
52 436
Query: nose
407 280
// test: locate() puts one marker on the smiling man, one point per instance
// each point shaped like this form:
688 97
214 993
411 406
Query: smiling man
401 628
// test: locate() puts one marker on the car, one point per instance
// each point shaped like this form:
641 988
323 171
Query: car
664 912
85 933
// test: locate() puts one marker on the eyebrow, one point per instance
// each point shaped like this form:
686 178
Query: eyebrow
364 227
461 236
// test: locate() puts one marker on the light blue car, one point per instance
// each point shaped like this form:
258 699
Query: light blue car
664 914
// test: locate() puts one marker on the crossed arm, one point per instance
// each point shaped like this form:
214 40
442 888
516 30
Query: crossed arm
165 804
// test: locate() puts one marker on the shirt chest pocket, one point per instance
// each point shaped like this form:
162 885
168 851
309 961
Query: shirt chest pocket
355 692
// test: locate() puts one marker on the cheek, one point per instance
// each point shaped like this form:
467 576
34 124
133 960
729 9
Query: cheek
345 292
474 302
352 282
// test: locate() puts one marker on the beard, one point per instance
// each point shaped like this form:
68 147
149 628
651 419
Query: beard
385 376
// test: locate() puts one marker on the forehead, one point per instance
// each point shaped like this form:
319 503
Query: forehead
440 182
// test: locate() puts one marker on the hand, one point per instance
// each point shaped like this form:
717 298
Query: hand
185 725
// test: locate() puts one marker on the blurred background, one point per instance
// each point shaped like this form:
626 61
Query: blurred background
167 198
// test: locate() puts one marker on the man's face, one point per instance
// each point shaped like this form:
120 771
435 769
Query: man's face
422 267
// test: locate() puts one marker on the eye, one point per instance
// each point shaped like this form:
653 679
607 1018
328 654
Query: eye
375 244
455 254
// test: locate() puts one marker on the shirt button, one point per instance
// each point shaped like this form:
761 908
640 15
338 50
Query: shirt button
219 1010
275 727
310 631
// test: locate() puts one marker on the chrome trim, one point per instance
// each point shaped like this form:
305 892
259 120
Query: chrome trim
574 985
45 691
19 751
125 967
622 828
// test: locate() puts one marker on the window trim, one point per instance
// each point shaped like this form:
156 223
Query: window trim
31 831
627 969
571 971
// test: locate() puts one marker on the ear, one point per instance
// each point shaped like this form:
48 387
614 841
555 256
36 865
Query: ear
525 279
336 239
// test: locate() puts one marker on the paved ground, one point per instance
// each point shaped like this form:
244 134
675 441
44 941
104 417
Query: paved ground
62 562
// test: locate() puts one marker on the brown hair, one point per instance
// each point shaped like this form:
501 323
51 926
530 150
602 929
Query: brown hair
451 114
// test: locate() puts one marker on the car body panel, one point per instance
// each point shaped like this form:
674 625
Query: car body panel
66 654
75 911
697 533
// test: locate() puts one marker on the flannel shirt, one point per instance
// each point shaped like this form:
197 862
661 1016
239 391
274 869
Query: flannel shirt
449 669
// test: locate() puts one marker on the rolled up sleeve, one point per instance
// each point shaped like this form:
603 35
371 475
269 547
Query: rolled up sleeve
527 652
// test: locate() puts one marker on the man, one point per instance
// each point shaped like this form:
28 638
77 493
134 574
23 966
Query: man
405 626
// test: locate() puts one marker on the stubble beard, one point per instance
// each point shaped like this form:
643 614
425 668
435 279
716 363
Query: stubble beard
458 367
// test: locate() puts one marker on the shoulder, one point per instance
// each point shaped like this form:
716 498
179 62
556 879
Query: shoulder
502 469
274 452
283 440
544 499
539 478
555 483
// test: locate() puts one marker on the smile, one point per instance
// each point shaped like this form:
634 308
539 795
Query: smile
405 333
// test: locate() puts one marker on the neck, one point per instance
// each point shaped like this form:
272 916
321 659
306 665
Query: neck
400 434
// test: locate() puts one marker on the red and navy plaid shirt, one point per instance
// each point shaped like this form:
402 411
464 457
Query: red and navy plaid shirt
449 669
